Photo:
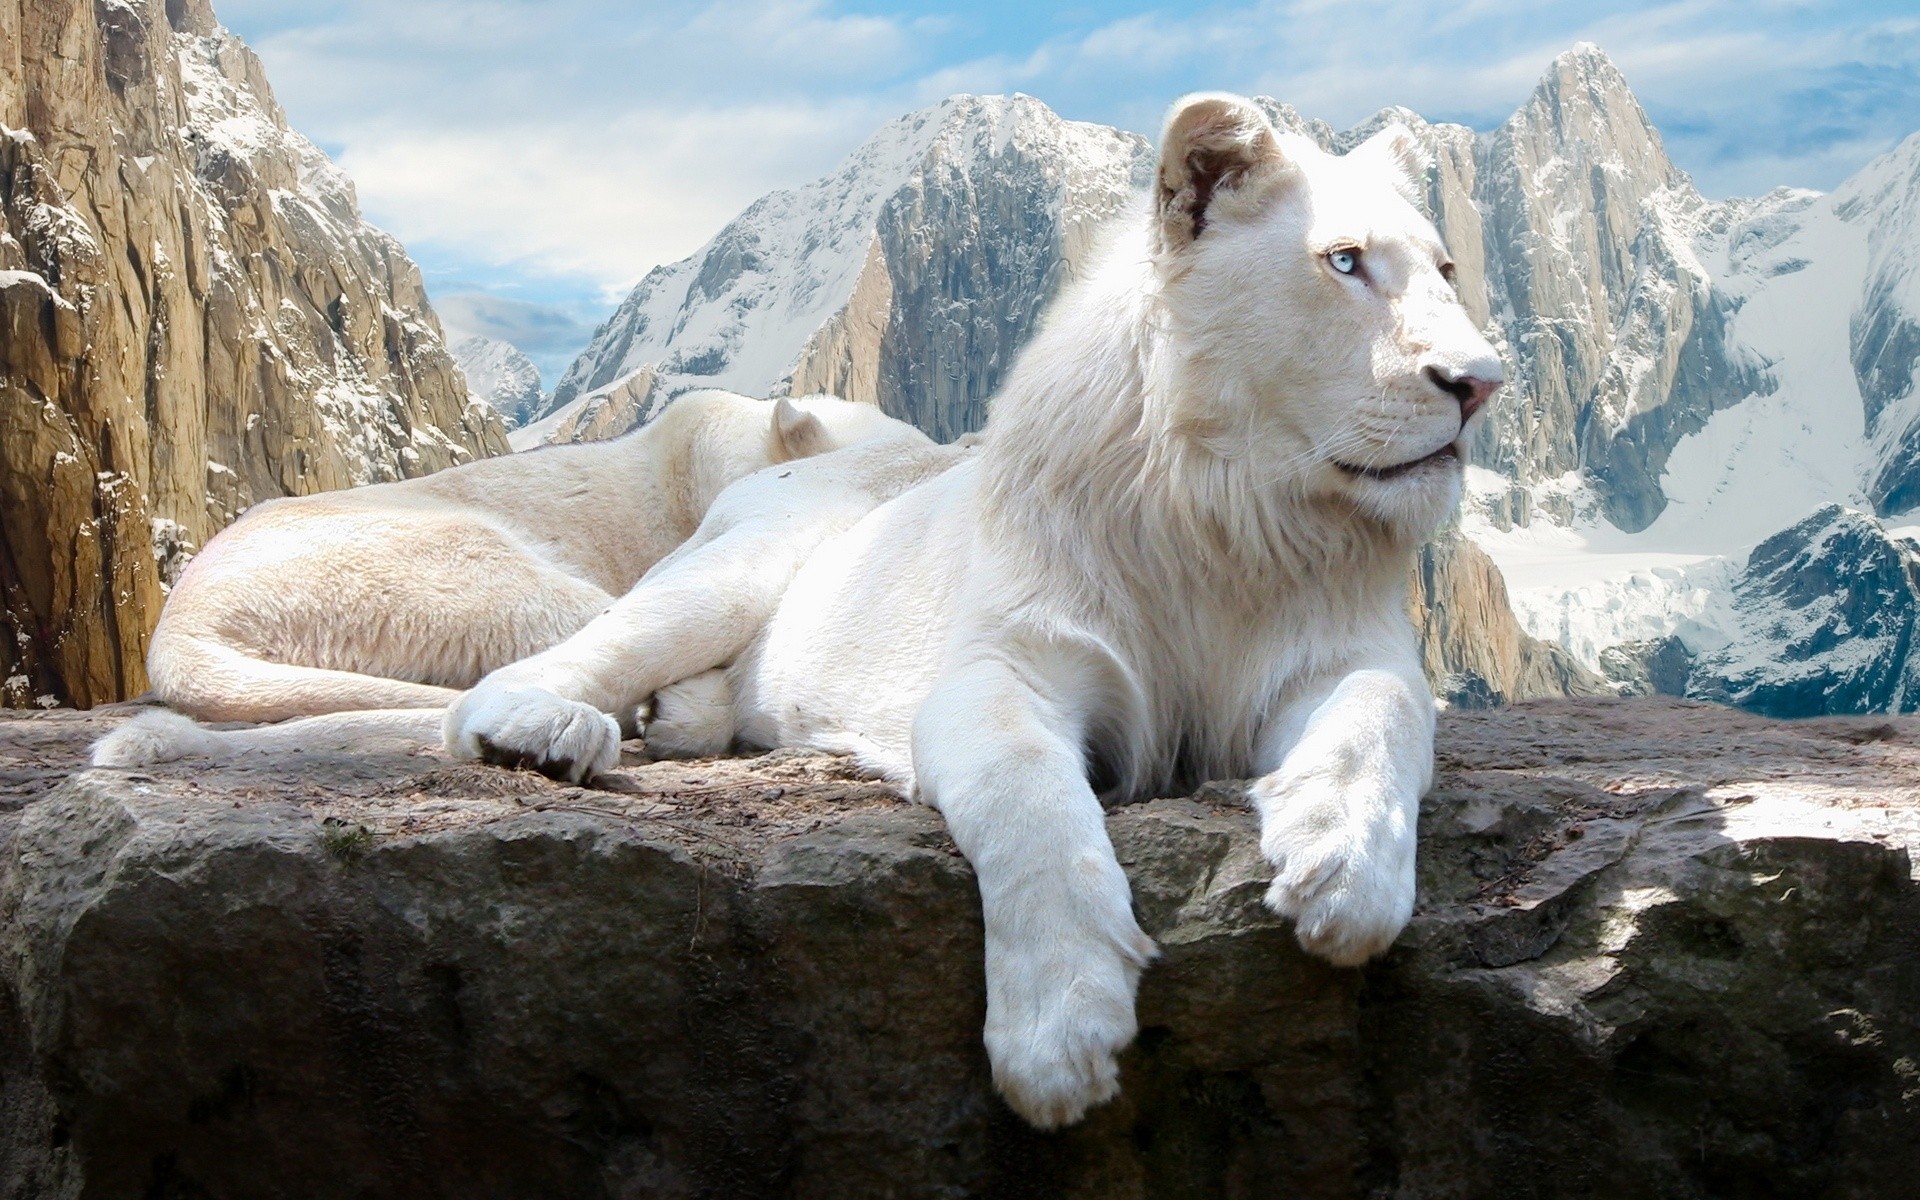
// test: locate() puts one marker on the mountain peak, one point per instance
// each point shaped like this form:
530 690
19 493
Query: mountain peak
1583 110
1585 70
1586 58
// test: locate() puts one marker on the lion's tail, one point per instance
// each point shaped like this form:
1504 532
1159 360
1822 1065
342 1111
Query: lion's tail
160 736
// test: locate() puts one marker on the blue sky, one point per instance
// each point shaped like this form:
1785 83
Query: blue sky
538 156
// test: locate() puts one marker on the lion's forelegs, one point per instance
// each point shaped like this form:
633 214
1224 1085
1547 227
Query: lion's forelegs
1003 764
1345 767
696 611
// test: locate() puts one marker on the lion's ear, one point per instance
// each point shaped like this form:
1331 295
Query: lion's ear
1406 158
797 432
1216 149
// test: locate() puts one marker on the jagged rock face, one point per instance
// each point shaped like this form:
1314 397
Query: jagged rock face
1661 952
1475 653
501 375
1886 325
1575 232
1651 667
973 256
1825 623
195 318
908 278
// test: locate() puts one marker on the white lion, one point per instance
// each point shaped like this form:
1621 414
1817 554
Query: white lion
397 595
1180 554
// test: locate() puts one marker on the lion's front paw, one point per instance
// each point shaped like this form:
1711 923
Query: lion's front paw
1343 864
532 727
1059 1009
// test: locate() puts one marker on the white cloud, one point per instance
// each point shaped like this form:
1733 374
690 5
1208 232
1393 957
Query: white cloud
602 203
586 141
574 138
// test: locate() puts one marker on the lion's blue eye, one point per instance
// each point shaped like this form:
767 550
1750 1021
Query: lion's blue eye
1344 261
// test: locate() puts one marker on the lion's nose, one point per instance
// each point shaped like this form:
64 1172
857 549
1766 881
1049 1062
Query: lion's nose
1471 389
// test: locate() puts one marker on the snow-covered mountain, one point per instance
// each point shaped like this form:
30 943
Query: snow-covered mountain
1688 378
500 374
1884 202
908 277
1809 402
1822 619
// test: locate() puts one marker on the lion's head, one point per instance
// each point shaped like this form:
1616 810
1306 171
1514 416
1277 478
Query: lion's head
1315 309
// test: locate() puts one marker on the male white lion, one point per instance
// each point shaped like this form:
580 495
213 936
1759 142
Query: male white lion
1180 554
398 594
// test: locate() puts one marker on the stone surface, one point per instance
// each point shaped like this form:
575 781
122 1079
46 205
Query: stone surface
1662 950
193 317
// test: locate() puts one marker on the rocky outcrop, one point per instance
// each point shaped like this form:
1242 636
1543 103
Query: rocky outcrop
607 413
193 317
1825 619
1661 950
501 375
1649 667
1474 651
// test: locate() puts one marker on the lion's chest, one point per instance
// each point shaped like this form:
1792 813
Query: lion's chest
1199 684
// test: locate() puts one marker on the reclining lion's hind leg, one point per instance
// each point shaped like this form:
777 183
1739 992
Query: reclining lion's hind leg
443 602
696 611
692 718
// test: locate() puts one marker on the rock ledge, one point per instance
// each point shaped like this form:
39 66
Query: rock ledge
1662 950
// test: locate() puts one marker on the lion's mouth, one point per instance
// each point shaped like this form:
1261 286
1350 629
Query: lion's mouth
1446 453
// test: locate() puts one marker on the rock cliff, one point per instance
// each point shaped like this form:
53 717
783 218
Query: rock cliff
1661 951
193 317
1885 328
1475 653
